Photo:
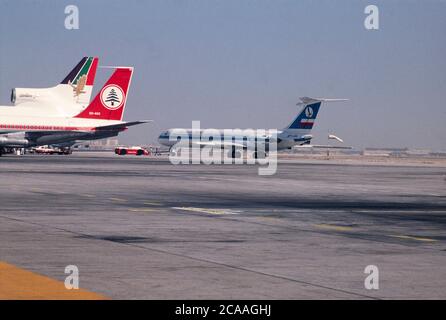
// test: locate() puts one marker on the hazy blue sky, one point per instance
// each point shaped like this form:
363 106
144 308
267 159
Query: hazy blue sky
243 64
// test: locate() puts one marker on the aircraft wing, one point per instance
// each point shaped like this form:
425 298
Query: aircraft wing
219 144
321 146
121 126
112 127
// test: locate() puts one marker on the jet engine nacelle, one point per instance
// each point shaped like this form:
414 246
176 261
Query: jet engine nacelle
59 95
20 95
13 142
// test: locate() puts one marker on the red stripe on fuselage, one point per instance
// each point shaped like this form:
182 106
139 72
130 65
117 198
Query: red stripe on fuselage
22 127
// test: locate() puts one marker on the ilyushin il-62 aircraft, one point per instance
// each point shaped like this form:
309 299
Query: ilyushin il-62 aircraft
297 133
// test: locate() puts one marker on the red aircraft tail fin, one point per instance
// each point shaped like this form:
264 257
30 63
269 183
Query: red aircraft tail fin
109 103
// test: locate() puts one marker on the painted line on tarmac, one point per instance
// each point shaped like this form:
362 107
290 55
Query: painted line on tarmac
333 227
118 199
60 192
152 203
413 238
20 284
207 210
142 210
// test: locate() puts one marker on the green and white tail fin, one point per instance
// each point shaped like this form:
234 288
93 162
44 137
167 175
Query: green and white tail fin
67 98
81 79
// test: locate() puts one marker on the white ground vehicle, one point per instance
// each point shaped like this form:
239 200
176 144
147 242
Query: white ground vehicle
50 150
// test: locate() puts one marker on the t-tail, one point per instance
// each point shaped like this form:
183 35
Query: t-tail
109 103
306 118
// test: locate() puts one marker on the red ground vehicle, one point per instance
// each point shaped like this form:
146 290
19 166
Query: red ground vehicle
137 151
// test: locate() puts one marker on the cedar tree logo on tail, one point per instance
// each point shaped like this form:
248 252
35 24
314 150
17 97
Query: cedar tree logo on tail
112 97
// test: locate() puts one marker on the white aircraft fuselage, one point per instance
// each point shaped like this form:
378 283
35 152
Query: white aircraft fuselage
38 130
297 133
248 140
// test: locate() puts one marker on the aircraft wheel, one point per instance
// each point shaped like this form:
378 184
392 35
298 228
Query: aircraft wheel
235 154
259 155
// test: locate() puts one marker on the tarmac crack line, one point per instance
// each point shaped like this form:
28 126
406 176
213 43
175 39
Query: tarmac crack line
200 259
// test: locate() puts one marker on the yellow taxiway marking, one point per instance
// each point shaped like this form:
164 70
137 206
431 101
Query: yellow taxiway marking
20 284
414 238
205 210
333 227
118 199
142 210
270 218
152 203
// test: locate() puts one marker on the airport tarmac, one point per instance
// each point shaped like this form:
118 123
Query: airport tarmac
141 228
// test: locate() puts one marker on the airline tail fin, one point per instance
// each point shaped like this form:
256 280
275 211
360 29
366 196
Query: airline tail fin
85 69
81 80
109 103
307 115
72 93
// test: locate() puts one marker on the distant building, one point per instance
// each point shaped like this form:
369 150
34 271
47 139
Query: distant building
384 152
440 154
418 152
102 144
402 152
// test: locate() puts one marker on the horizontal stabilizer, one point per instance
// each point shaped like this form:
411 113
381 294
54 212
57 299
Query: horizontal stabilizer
308 100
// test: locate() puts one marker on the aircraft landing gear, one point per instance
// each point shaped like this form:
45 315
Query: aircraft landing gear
235 153
19 151
259 155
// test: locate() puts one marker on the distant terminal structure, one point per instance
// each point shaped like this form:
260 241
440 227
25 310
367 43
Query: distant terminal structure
369 152
97 145
384 152
401 152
